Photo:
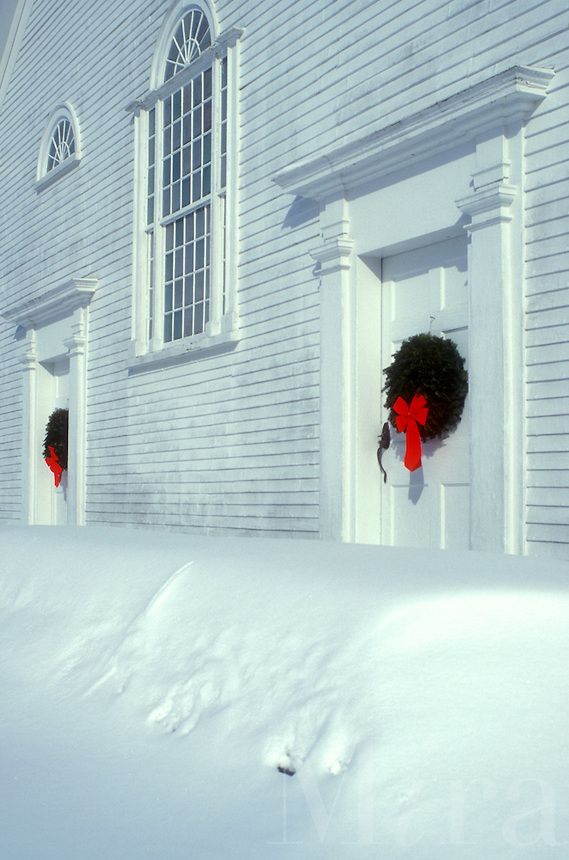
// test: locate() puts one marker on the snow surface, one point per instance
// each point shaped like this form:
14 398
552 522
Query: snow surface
153 683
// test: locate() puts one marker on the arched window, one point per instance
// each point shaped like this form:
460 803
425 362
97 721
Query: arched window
191 38
187 128
62 143
59 149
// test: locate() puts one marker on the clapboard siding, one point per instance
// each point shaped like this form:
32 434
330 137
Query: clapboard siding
547 317
230 443
10 430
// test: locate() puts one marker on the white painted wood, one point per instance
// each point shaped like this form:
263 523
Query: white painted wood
427 290
304 91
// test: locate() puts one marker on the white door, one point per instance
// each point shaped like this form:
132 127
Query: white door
426 289
53 393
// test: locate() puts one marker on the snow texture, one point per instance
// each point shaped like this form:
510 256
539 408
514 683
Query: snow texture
172 696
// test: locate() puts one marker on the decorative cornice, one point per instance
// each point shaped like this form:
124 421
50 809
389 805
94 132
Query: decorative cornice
508 97
56 303
489 205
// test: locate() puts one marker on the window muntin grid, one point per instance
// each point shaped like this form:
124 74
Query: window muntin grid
191 37
187 144
187 275
61 144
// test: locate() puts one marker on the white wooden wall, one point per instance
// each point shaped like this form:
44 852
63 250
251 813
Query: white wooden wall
231 442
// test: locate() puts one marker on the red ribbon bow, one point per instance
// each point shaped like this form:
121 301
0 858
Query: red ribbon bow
55 466
407 419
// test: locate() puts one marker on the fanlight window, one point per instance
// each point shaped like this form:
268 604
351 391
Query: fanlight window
191 38
61 145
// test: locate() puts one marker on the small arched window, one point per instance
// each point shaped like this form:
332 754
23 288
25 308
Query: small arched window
187 127
59 149
62 143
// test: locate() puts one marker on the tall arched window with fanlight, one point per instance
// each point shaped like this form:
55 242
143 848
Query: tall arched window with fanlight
187 149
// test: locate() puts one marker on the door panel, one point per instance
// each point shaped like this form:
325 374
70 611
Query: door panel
426 289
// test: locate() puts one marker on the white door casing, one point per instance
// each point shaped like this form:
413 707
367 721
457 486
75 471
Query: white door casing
54 371
456 166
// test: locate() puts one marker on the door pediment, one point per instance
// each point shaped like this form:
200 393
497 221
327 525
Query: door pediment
501 100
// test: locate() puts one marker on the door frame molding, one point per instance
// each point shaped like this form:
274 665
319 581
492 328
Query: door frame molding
67 304
490 116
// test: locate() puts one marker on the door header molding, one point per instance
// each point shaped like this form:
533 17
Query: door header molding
59 302
503 99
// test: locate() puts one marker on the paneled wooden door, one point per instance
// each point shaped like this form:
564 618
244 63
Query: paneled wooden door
427 289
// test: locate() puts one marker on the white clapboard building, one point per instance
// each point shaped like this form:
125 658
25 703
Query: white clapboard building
219 221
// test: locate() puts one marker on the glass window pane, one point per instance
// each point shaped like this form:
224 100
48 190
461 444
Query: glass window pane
187 128
196 153
179 262
176 159
189 257
168 297
176 134
199 254
175 196
166 141
177 324
207 116
206 180
186 160
186 185
196 187
199 286
188 322
169 268
197 91
178 293
207 149
169 237
198 318
207 84
200 223
196 122
177 105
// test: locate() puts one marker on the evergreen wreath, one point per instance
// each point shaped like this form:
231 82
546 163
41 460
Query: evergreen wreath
432 366
56 435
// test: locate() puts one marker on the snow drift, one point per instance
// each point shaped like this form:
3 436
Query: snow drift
172 696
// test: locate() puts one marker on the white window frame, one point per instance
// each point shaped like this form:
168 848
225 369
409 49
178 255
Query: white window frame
45 177
221 331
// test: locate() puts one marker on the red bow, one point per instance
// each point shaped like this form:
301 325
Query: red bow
407 419
55 466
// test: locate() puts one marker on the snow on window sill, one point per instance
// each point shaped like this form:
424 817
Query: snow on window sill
61 170
189 349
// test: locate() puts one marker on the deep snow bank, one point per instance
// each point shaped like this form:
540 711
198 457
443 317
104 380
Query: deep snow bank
153 684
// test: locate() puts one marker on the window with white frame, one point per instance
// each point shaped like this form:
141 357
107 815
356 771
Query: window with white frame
186 133
62 143
59 149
